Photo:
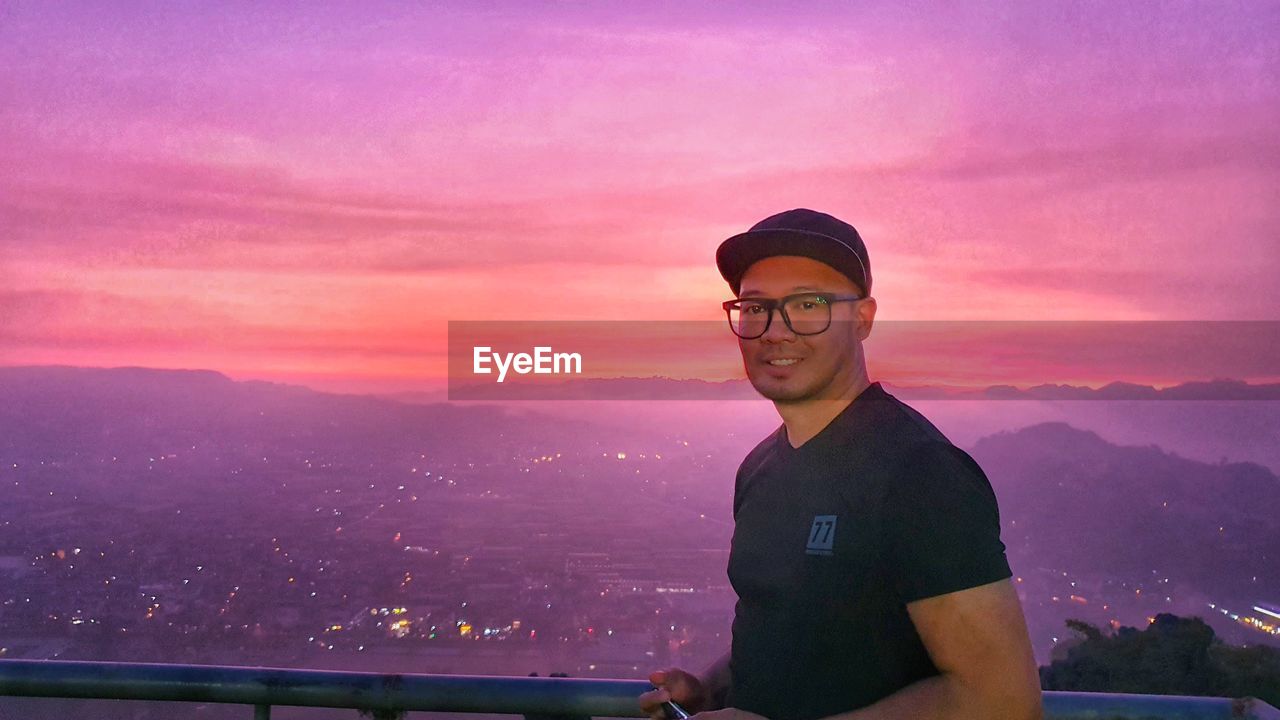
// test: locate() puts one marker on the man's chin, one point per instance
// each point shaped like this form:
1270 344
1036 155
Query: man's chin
781 392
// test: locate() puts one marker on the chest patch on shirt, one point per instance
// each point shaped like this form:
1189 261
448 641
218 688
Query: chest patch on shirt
822 535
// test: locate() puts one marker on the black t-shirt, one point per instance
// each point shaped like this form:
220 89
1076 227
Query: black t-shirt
830 542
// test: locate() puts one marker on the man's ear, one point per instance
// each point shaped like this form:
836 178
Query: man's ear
866 317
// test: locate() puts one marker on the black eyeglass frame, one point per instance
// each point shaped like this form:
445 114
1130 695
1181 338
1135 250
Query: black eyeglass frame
770 304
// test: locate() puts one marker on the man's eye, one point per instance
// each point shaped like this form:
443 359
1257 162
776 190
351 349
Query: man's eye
752 309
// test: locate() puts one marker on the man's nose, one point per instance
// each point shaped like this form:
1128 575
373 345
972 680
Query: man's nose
778 330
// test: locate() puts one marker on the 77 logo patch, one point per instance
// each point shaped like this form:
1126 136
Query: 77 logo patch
822 536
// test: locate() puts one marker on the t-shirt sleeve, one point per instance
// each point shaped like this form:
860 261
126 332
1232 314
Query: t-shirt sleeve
943 524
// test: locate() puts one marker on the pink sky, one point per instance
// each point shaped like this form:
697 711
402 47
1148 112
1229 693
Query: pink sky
308 194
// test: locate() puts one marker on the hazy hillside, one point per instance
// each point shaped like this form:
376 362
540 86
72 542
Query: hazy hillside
63 409
1072 500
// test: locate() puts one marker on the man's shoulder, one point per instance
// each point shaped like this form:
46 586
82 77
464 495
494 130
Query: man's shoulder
905 425
906 442
760 452
926 465
751 464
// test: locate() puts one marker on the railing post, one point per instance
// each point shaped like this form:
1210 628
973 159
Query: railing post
261 712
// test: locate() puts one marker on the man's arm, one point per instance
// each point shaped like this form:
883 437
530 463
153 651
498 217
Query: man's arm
977 638
954 579
715 681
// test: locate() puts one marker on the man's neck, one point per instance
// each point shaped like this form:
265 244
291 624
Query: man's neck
805 420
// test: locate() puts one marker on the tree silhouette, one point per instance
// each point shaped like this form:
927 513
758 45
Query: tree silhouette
1171 656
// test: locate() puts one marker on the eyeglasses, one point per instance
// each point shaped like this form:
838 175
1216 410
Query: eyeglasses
805 313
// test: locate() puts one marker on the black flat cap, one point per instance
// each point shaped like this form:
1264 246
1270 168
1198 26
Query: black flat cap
804 232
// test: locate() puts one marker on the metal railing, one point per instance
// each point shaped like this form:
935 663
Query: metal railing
392 695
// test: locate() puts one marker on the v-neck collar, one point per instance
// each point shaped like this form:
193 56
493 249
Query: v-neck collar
857 407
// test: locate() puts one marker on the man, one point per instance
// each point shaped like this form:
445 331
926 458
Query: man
866 554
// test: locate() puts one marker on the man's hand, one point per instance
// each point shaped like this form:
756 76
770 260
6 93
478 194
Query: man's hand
684 688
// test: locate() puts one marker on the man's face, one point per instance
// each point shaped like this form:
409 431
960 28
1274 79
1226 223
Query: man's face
827 363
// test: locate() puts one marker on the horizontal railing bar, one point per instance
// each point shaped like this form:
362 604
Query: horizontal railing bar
265 686
320 688
1062 705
